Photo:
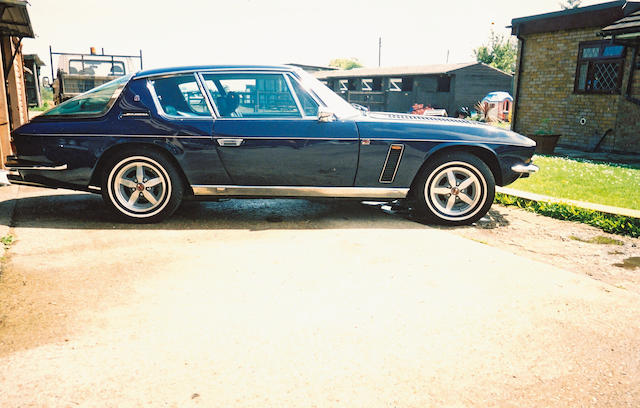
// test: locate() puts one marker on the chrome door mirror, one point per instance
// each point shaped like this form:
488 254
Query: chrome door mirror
325 115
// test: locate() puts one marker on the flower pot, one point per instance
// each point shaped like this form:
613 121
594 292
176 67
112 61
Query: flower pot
545 144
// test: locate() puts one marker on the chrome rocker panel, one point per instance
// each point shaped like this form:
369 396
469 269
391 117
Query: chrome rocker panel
286 191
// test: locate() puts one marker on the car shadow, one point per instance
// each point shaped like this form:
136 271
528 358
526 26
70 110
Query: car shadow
88 211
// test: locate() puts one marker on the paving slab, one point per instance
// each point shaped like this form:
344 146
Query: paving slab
260 303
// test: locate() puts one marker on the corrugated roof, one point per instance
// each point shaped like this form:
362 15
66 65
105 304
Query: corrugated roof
398 71
14 19
35 58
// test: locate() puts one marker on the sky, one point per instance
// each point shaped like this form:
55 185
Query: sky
200 32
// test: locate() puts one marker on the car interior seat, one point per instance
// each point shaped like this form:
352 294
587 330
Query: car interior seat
228 104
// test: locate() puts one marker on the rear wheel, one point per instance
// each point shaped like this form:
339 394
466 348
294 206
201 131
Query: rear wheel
142 186
455 189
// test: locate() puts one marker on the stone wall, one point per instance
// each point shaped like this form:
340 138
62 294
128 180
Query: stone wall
546 100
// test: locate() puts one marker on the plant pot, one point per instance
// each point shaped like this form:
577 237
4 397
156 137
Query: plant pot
545 144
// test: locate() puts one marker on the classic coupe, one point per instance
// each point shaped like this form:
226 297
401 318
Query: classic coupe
150 140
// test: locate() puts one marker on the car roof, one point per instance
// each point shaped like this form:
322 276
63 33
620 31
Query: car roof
192 68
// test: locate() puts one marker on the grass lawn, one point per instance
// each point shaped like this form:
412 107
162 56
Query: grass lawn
599 183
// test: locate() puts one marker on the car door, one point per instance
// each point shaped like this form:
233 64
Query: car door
267 133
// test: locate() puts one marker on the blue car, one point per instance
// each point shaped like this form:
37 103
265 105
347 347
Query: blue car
148 141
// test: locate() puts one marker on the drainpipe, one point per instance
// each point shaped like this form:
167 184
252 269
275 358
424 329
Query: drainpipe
516 95
627 94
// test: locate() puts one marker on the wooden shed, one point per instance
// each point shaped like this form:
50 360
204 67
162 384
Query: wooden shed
396 89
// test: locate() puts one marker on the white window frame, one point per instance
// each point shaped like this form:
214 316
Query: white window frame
395 84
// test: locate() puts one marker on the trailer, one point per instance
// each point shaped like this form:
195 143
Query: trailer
78 73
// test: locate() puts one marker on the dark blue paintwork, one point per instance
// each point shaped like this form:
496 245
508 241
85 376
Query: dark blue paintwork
286 152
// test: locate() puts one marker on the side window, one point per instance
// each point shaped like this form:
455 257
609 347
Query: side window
309 106
251 95
180 96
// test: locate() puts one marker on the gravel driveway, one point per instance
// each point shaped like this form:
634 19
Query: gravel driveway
262 303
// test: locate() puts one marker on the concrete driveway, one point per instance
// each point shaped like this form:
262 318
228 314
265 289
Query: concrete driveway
295 303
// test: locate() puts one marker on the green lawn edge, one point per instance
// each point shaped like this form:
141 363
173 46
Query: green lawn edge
612 223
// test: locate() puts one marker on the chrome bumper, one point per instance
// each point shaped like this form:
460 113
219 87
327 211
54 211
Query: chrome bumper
525 168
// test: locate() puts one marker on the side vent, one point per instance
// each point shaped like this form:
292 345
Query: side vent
391 163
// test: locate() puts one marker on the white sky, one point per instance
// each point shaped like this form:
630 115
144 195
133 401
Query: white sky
170 33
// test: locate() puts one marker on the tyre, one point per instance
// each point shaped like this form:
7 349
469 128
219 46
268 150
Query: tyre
142 186
454 188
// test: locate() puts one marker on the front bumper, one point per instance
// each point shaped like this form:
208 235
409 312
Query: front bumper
525 168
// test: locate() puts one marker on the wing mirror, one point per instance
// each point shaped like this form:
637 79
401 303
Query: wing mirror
325 115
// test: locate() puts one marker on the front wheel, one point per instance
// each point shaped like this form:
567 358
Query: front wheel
455 189
142 186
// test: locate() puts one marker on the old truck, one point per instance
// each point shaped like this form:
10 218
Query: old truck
77 73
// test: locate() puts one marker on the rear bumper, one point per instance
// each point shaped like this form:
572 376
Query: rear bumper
15 164
32 174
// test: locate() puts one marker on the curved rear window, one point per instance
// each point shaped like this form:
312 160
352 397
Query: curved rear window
95 102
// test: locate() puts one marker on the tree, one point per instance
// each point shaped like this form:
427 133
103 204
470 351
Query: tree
570 4
500 53
345 63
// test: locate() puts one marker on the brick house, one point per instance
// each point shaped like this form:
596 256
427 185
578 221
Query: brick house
575 80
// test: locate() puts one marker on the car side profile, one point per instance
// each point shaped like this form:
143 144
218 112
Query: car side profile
148 141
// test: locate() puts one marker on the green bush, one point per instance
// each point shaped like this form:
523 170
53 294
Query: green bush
615 224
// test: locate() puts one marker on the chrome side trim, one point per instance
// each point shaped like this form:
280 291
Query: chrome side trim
464 142
231 142
207 95
387 160
39 168
107 135
295 191
135 115
293 94
525 168
205 70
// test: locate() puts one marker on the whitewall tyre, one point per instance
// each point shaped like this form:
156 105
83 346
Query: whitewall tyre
142 186
455 188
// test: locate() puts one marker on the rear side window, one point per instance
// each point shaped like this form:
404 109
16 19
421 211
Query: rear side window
96 102
180 96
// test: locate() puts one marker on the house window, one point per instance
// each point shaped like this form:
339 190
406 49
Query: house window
444 84
599 67
344 85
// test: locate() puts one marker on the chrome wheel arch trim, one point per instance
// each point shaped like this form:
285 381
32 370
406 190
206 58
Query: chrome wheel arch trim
299 191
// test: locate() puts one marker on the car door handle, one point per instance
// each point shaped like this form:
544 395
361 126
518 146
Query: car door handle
230 142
